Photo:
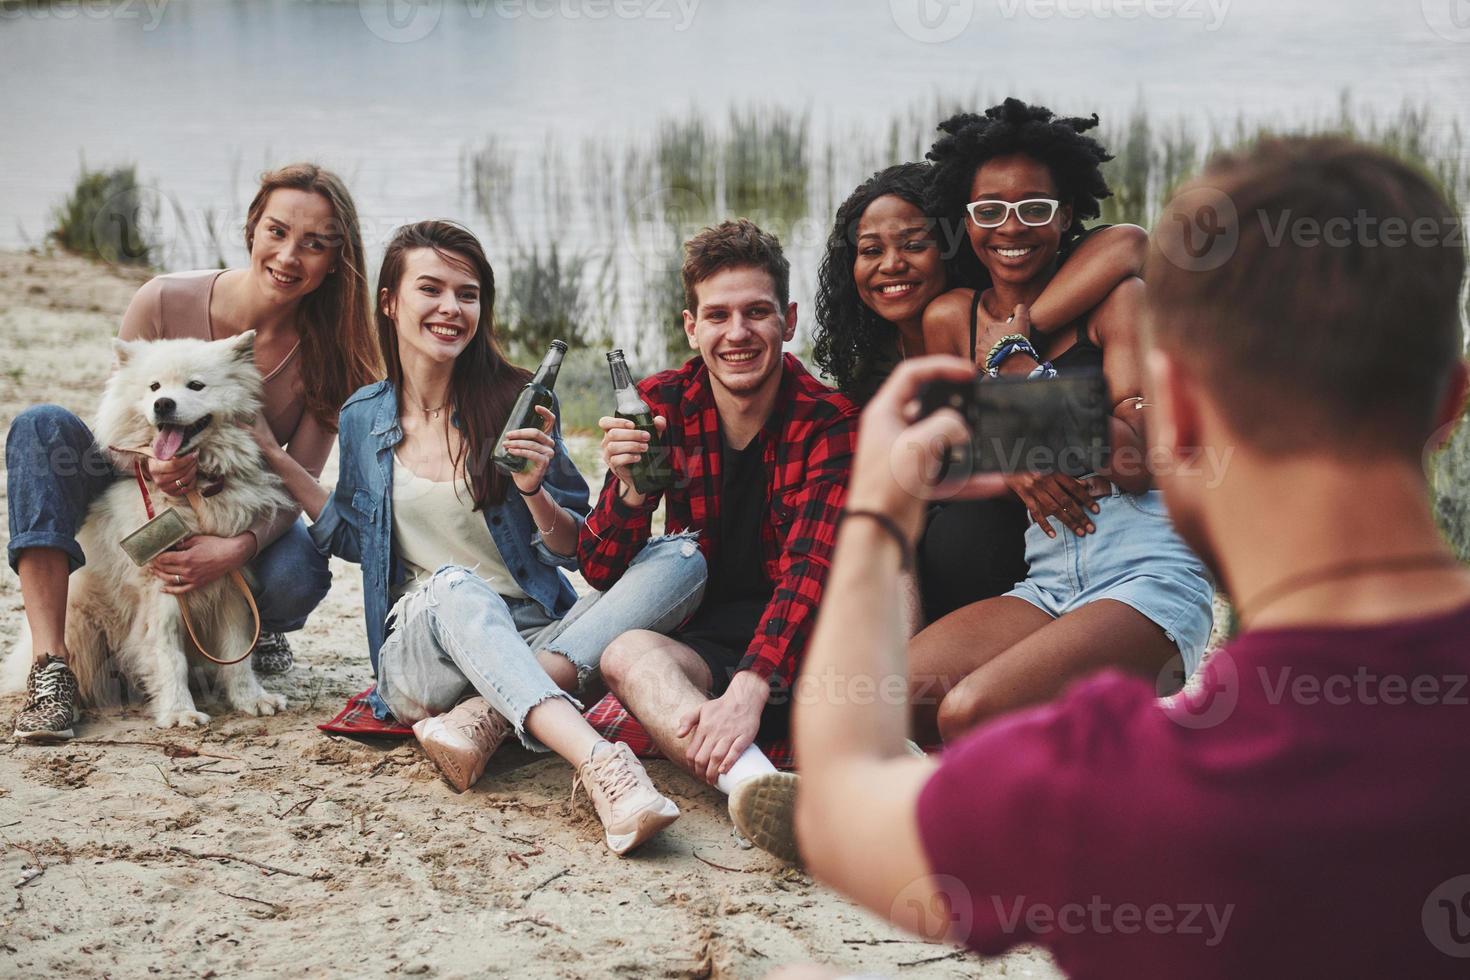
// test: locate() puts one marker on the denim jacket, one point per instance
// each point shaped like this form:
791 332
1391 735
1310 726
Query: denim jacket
357 522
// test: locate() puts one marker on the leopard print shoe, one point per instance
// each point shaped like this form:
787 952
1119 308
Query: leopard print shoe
52 705
272 654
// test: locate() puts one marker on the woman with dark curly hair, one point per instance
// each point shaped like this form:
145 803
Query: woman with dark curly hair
1116 586
885 263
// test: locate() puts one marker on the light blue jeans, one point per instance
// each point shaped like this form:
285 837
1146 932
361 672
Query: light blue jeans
456 635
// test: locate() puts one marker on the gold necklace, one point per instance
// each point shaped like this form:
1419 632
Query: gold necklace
431 413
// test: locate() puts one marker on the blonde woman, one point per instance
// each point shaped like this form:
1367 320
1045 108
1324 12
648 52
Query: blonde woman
303 292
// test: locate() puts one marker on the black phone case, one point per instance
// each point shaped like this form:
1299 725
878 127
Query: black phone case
1044 426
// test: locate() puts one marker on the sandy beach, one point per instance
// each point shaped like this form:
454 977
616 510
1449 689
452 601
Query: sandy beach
265 845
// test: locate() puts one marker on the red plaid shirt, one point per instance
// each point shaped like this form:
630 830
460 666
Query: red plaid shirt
807 455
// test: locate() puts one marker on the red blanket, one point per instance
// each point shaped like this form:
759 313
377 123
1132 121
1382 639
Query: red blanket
608 716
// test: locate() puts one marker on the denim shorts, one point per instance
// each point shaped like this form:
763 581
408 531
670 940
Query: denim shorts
1134 557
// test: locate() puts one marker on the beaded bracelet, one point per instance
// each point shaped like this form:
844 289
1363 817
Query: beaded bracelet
1010 338
1008 346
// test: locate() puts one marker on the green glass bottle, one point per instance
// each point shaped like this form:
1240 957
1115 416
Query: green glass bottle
655 471
523 415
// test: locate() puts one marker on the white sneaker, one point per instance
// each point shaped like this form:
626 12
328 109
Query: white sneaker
763 809
630 809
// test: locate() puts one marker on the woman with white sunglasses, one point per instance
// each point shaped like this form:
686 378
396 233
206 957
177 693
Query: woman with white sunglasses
1112 584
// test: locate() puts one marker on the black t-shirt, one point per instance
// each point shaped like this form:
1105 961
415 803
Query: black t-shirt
737 591
738 573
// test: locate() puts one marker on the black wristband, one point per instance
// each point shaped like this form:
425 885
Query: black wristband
888 524
532 493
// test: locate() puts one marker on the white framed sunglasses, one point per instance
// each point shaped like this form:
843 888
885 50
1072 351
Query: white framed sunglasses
1033 211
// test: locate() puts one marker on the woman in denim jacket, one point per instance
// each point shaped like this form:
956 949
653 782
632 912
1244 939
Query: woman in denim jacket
485 635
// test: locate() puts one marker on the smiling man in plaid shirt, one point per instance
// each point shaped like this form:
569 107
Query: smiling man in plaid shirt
762 452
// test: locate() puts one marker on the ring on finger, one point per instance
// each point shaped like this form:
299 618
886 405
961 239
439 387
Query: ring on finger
177 579
179 484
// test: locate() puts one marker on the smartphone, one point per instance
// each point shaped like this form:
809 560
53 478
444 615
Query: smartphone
1056 425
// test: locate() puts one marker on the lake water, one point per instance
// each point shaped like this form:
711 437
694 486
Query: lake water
570 95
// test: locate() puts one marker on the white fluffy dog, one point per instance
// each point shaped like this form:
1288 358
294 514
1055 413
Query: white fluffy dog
175 396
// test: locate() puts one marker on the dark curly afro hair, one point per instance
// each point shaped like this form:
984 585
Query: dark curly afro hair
969 140
854 346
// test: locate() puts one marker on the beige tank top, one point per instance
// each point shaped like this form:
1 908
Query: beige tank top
176 305
434 525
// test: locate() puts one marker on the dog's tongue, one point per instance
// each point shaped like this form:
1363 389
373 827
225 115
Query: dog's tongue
170 438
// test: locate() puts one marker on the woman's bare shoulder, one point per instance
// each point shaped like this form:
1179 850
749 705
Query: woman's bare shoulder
174 304
947 322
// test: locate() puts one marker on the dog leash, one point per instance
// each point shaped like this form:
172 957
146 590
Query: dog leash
196 502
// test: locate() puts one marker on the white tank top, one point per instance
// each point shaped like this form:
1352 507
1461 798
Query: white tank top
434 525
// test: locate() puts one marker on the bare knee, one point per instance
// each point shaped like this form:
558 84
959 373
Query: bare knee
620 659
559 667
967 705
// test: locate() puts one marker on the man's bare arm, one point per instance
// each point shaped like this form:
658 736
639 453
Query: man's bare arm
857 819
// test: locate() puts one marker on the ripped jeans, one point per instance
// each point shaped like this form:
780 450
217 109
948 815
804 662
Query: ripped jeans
456 634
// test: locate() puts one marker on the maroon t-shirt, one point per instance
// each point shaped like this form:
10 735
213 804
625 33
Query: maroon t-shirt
1305 814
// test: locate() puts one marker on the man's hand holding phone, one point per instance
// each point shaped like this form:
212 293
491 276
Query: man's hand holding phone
900 456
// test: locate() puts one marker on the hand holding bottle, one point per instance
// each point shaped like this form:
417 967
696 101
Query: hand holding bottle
623 447
535 447
534 397
652 469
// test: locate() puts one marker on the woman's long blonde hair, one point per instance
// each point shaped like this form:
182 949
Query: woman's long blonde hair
339 347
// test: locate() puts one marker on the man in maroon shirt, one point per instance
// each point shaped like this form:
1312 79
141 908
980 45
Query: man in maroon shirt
1305 811
762 452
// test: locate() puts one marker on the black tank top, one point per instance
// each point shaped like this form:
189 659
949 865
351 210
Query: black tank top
1083 355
